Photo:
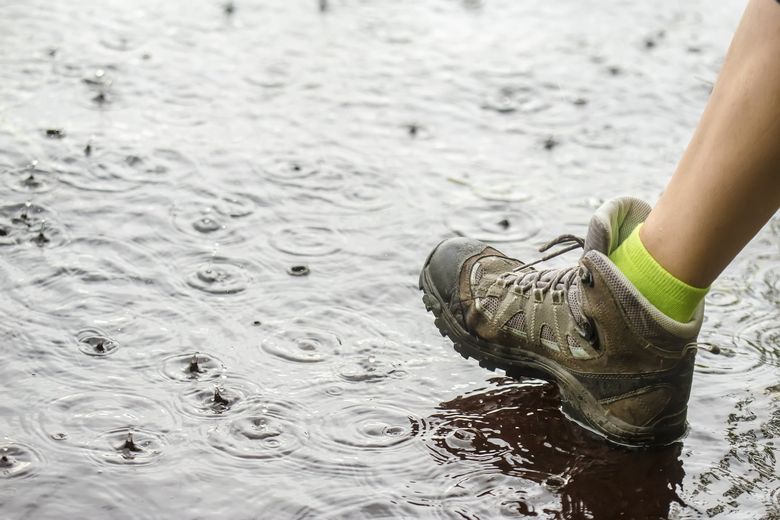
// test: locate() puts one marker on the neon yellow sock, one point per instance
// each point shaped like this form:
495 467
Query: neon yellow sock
673 297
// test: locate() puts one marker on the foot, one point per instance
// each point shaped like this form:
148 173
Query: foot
623 368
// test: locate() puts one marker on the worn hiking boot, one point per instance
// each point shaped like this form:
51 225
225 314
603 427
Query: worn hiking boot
623 368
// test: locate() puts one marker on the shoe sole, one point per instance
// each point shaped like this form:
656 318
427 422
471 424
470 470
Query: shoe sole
576 402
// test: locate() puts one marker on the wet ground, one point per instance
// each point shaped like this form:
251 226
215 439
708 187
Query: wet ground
211 225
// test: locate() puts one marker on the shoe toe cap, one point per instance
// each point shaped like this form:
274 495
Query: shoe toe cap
446 262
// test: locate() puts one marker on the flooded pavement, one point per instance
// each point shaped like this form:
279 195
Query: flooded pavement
212 221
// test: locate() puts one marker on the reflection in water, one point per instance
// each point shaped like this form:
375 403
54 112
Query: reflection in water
517 429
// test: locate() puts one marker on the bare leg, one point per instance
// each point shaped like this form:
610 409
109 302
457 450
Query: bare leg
727 185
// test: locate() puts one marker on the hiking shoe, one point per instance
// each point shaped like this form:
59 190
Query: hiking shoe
623 368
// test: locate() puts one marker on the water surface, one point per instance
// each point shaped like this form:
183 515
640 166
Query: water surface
211 225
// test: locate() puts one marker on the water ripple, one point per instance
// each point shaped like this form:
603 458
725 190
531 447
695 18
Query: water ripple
218 217
267 429
32 177
133 446
229 396
302 345
98 423
493 222
374 427
220 276
307 240
31 224
118 167
731 356
752 349
374 360
328 334
18 460
193 367
332 181
371 440
93 342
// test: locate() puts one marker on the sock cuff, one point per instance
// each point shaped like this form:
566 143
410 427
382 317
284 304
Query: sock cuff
670 295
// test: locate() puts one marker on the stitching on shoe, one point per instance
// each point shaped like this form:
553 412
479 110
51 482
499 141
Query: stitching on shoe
558 336
636 392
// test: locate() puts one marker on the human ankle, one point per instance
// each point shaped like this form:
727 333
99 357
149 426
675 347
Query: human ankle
670 295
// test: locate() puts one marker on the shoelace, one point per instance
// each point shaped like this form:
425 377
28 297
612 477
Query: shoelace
541 279
548 279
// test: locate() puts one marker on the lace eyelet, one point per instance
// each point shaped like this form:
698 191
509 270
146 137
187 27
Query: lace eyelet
586 277
538 295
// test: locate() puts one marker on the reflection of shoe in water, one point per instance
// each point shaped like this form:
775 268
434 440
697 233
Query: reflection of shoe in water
518 430
624 369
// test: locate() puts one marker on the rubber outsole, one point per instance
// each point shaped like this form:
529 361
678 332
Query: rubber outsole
577 404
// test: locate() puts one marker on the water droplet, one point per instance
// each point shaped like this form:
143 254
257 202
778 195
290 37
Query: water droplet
199 366
218 398
96 343
193 367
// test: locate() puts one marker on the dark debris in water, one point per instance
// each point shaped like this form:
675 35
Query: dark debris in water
503 223
31 181
652 41
298 270
550 143
229 8
55 133
6 461
133 160
24 216
41 239
101 98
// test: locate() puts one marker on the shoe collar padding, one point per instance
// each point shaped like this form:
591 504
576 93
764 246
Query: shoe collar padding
613 222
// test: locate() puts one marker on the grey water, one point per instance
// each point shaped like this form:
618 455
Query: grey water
212 218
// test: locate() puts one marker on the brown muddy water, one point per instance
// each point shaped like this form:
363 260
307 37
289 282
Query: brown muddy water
212 221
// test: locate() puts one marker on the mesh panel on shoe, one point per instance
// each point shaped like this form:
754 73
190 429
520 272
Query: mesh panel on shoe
517 321
490 304
632 220
478 274
576 350
546 333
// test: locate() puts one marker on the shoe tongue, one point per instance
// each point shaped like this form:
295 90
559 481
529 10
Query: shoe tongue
613 222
